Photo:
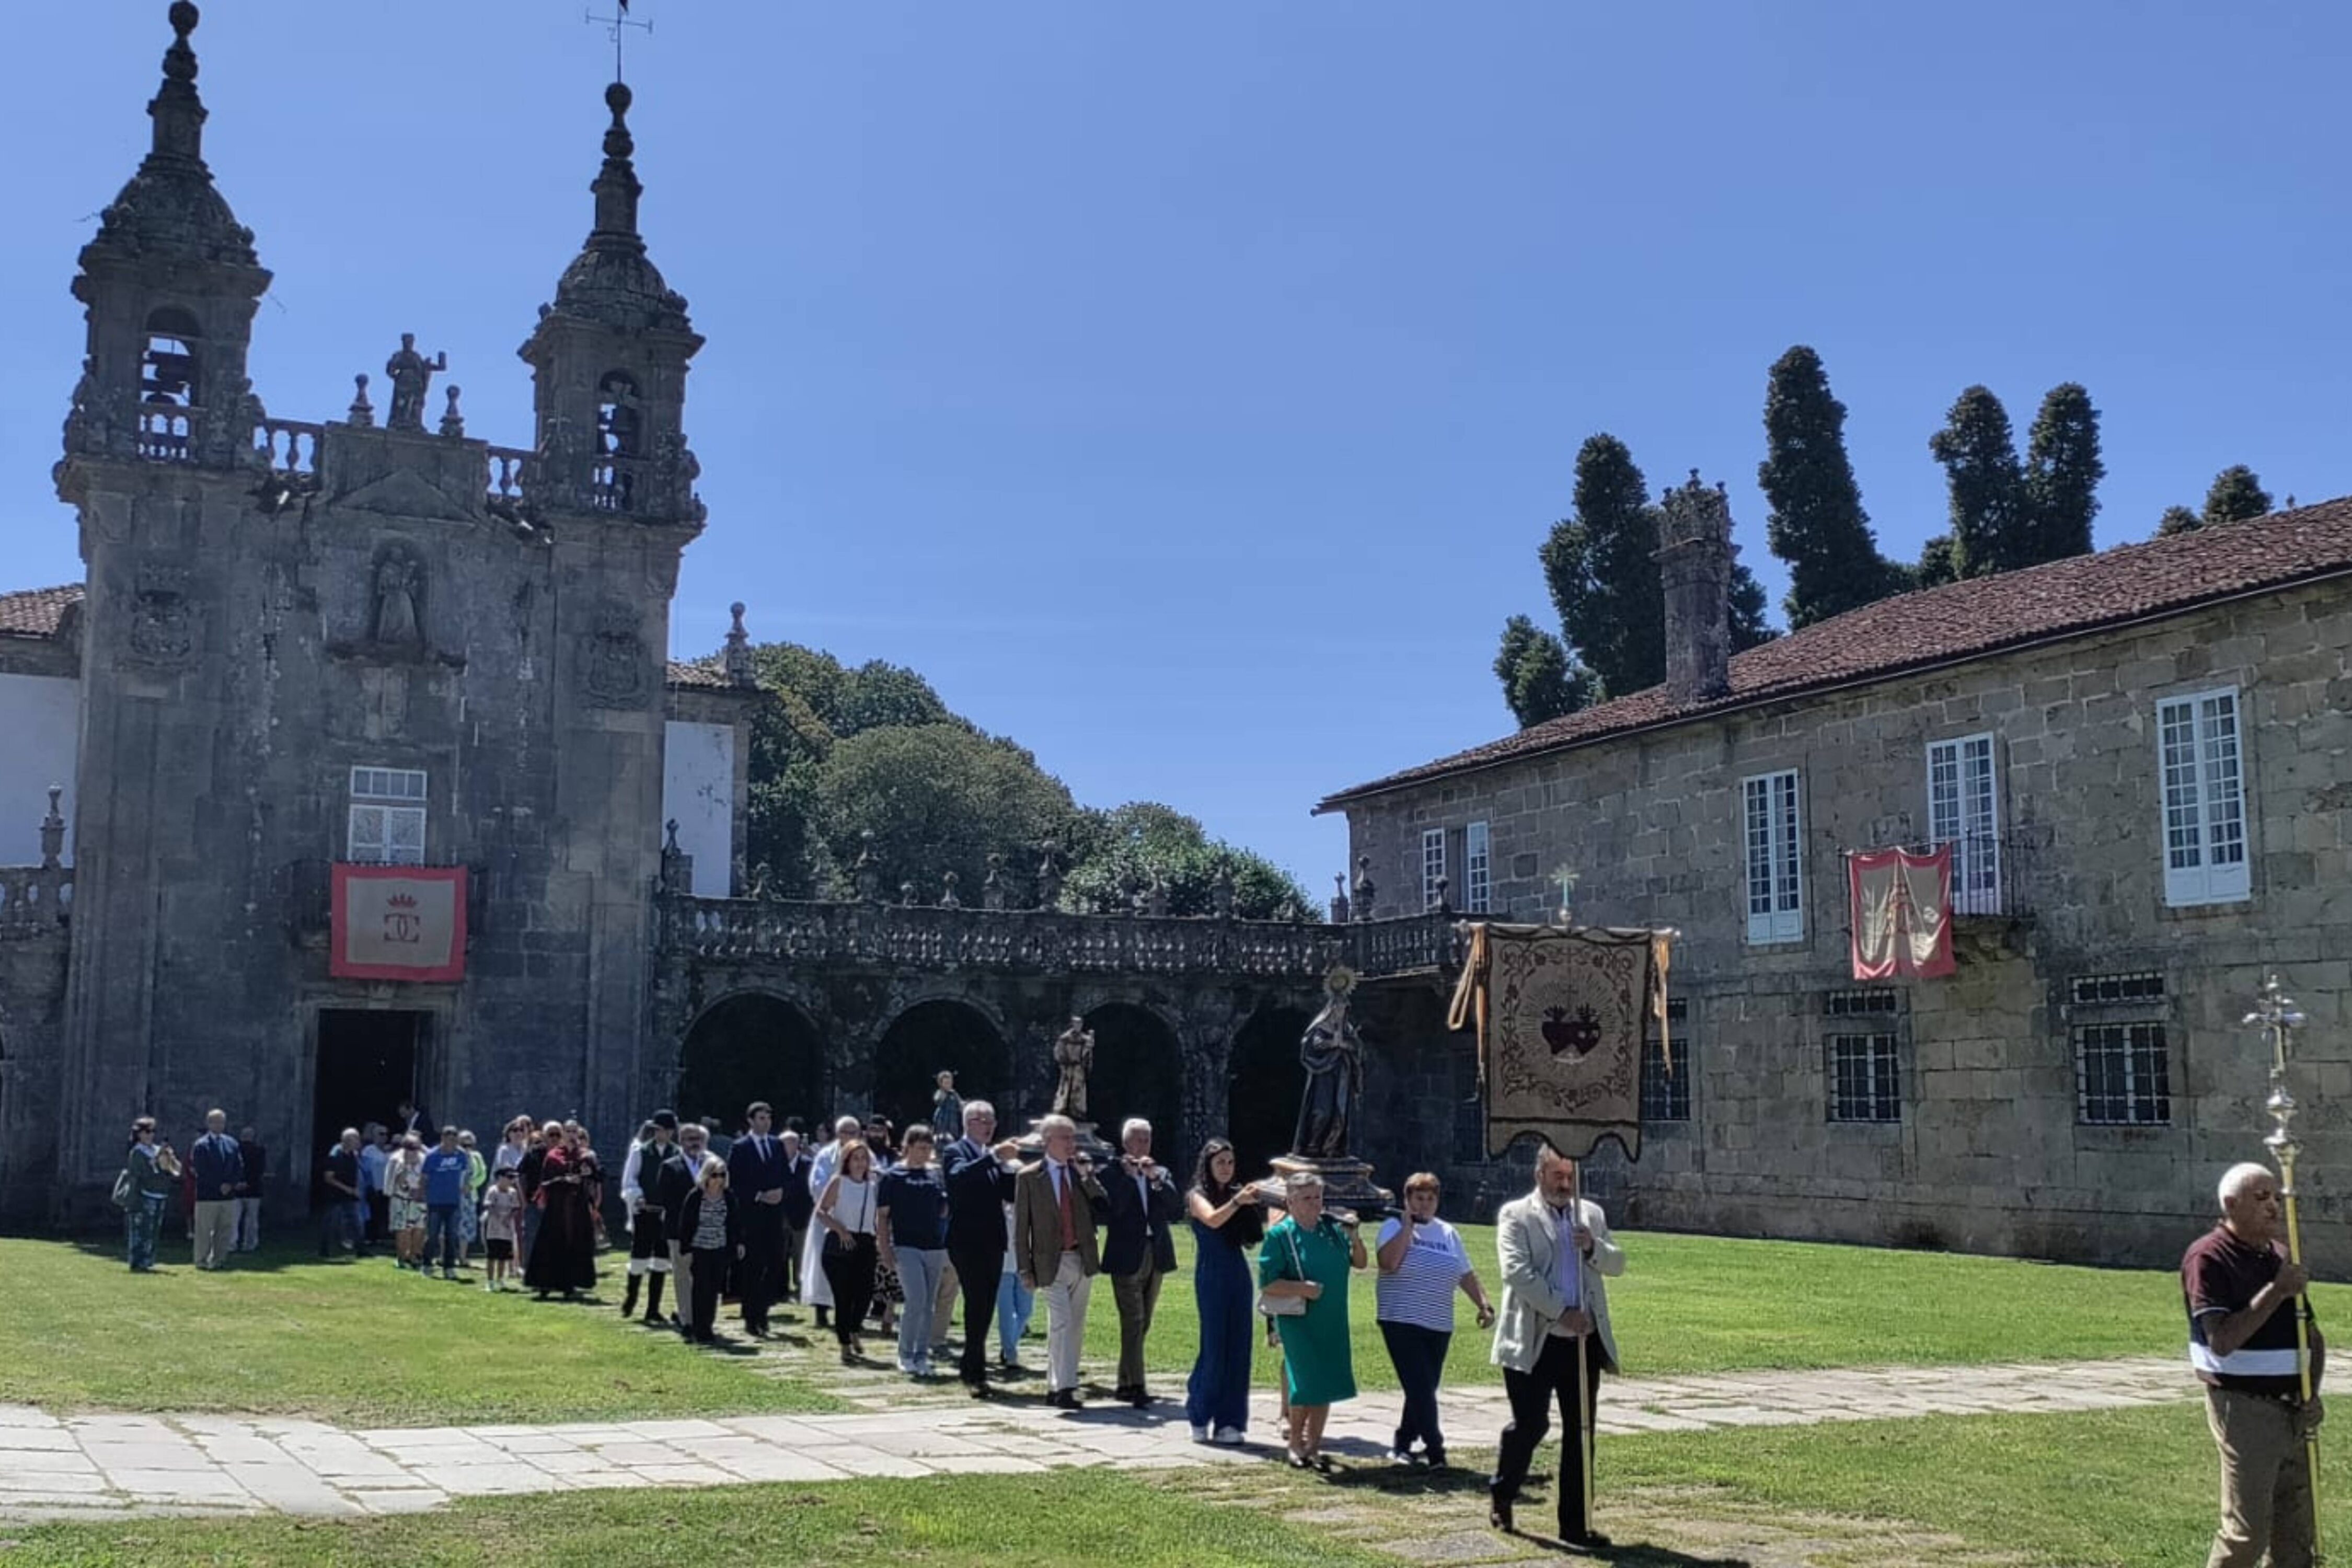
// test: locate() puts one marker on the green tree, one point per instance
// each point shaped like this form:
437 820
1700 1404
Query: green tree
2063 471
1988 502
2177 520
1936 565
1539 679
1749 627
1119 852
936 798
1601 568
1816 523
2236 496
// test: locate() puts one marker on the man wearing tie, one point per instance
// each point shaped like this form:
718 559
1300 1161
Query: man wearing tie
1054 1205
755 1178
979 1188
1140 1247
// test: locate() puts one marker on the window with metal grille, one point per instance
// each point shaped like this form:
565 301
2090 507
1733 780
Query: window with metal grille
1667 1097
1773 834
1862 1004
2121 1077
2097 990
1865 1078
2205 859
386 825
1477 868
1433 867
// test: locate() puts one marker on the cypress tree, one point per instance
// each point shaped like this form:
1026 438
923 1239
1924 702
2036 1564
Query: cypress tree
1936 566
2177 520
1601 567
1539 680
2237 496
1749 627
2063 471
1979 458
1816 524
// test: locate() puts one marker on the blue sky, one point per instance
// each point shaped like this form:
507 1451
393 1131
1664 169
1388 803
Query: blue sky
1185 389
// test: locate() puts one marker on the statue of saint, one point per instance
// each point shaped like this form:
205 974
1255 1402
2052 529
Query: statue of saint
1333 1054
1074 1053
395 602
412 374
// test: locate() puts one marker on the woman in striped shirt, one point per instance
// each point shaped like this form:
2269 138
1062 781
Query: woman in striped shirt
1422 1262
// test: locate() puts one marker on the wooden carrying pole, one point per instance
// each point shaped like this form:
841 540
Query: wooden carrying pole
2278 1017
1584 1423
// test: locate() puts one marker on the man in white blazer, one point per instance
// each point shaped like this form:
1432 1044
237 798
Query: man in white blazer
1556 1254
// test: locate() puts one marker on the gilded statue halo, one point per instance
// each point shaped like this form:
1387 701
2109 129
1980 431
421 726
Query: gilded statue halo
1340 981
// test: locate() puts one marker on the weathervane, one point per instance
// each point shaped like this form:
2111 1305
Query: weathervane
619 23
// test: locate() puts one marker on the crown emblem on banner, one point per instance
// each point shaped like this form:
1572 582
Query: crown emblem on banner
401 901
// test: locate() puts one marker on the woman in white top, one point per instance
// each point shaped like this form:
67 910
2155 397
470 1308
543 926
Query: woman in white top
845 1210
1422 1262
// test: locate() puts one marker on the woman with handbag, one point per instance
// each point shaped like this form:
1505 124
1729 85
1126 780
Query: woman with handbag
151 1173
1302 1275
845 1209
1227 1226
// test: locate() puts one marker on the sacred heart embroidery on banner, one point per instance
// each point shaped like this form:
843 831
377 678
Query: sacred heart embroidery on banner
1570 1037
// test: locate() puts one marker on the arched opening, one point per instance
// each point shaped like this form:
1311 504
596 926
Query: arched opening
620 441
167 384
752 1046
1138 1071
1266 1079
929 1038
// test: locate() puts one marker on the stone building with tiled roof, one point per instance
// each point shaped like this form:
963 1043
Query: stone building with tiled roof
2142 762
338 697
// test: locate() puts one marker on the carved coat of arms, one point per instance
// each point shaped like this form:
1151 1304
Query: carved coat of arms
163 631
613 664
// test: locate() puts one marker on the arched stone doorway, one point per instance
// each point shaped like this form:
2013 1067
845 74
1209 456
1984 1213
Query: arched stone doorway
749 1047
1267 1078
1138 1071
927 1038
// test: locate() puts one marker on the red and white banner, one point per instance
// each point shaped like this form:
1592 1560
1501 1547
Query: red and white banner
1901 907
398 922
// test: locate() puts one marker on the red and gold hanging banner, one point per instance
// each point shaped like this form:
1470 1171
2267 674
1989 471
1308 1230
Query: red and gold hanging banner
398 922
1901 904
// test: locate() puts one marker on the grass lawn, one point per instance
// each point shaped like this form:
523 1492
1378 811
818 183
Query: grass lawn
964 1522
358 1343
1701 1304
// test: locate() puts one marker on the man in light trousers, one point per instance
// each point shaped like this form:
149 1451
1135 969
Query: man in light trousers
1055 1206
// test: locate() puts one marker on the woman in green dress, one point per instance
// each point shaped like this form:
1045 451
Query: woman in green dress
1309 1255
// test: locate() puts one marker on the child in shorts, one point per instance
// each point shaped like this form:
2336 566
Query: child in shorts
501 1219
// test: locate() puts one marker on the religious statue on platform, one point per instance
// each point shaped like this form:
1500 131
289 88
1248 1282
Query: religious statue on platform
1074 1053
412 374
1333 1054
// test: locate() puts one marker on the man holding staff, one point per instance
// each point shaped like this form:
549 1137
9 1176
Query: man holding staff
2241 1292
1552 1339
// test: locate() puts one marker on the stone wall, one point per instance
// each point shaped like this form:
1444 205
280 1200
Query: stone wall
1988 1154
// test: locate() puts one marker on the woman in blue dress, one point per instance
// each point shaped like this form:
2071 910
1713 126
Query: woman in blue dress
1227 1226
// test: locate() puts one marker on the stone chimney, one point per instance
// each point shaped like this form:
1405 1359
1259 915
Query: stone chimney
1695 556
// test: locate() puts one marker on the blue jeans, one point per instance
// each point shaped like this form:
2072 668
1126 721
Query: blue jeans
338 1228
441 1223
1013 1306
141 1222
918 1274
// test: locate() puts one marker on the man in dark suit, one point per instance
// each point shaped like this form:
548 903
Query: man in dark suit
756 1175
414 1119
799 1207
980 1192
681 1177
1139 1247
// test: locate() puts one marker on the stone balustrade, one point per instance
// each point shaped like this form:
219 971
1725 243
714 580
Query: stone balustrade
291 446
506 472
35 900
1047 941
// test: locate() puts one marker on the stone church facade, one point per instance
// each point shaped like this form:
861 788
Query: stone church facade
2143 761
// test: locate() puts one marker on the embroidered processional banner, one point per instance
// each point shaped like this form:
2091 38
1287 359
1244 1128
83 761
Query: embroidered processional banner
1561 1013
398 922
1901 905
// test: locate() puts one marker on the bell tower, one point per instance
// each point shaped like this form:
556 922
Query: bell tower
169 284
608 367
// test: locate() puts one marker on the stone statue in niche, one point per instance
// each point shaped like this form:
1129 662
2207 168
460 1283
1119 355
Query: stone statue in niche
412 374
399 587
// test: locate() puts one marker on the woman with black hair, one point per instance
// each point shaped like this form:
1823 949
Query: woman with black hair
1227 1226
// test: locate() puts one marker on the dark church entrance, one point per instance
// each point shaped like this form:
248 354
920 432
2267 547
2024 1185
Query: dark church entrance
1267 1079
368 1061
746 1048
933 1036
1138 1071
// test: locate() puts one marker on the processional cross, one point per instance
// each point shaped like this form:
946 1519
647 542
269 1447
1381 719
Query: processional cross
618 23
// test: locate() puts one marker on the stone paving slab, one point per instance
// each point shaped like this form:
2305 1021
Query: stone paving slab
115 1466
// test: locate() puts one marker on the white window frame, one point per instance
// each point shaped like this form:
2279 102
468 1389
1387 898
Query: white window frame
385 824
1478 868
1964 810
2200 770
1433 865
1772 852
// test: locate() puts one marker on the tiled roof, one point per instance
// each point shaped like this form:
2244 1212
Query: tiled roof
700 674
37 611
1960 620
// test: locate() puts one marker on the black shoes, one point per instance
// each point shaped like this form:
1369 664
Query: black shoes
1135 1397
1498 1514
1586 1539
1063 1399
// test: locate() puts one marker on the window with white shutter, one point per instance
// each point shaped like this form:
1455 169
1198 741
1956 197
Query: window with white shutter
1964 810
1432 866
1774 841
1477 868
2200 770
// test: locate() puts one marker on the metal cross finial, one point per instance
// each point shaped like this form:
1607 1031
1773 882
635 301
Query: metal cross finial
618 23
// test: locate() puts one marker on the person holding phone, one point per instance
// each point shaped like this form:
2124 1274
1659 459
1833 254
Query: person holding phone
1422 1262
